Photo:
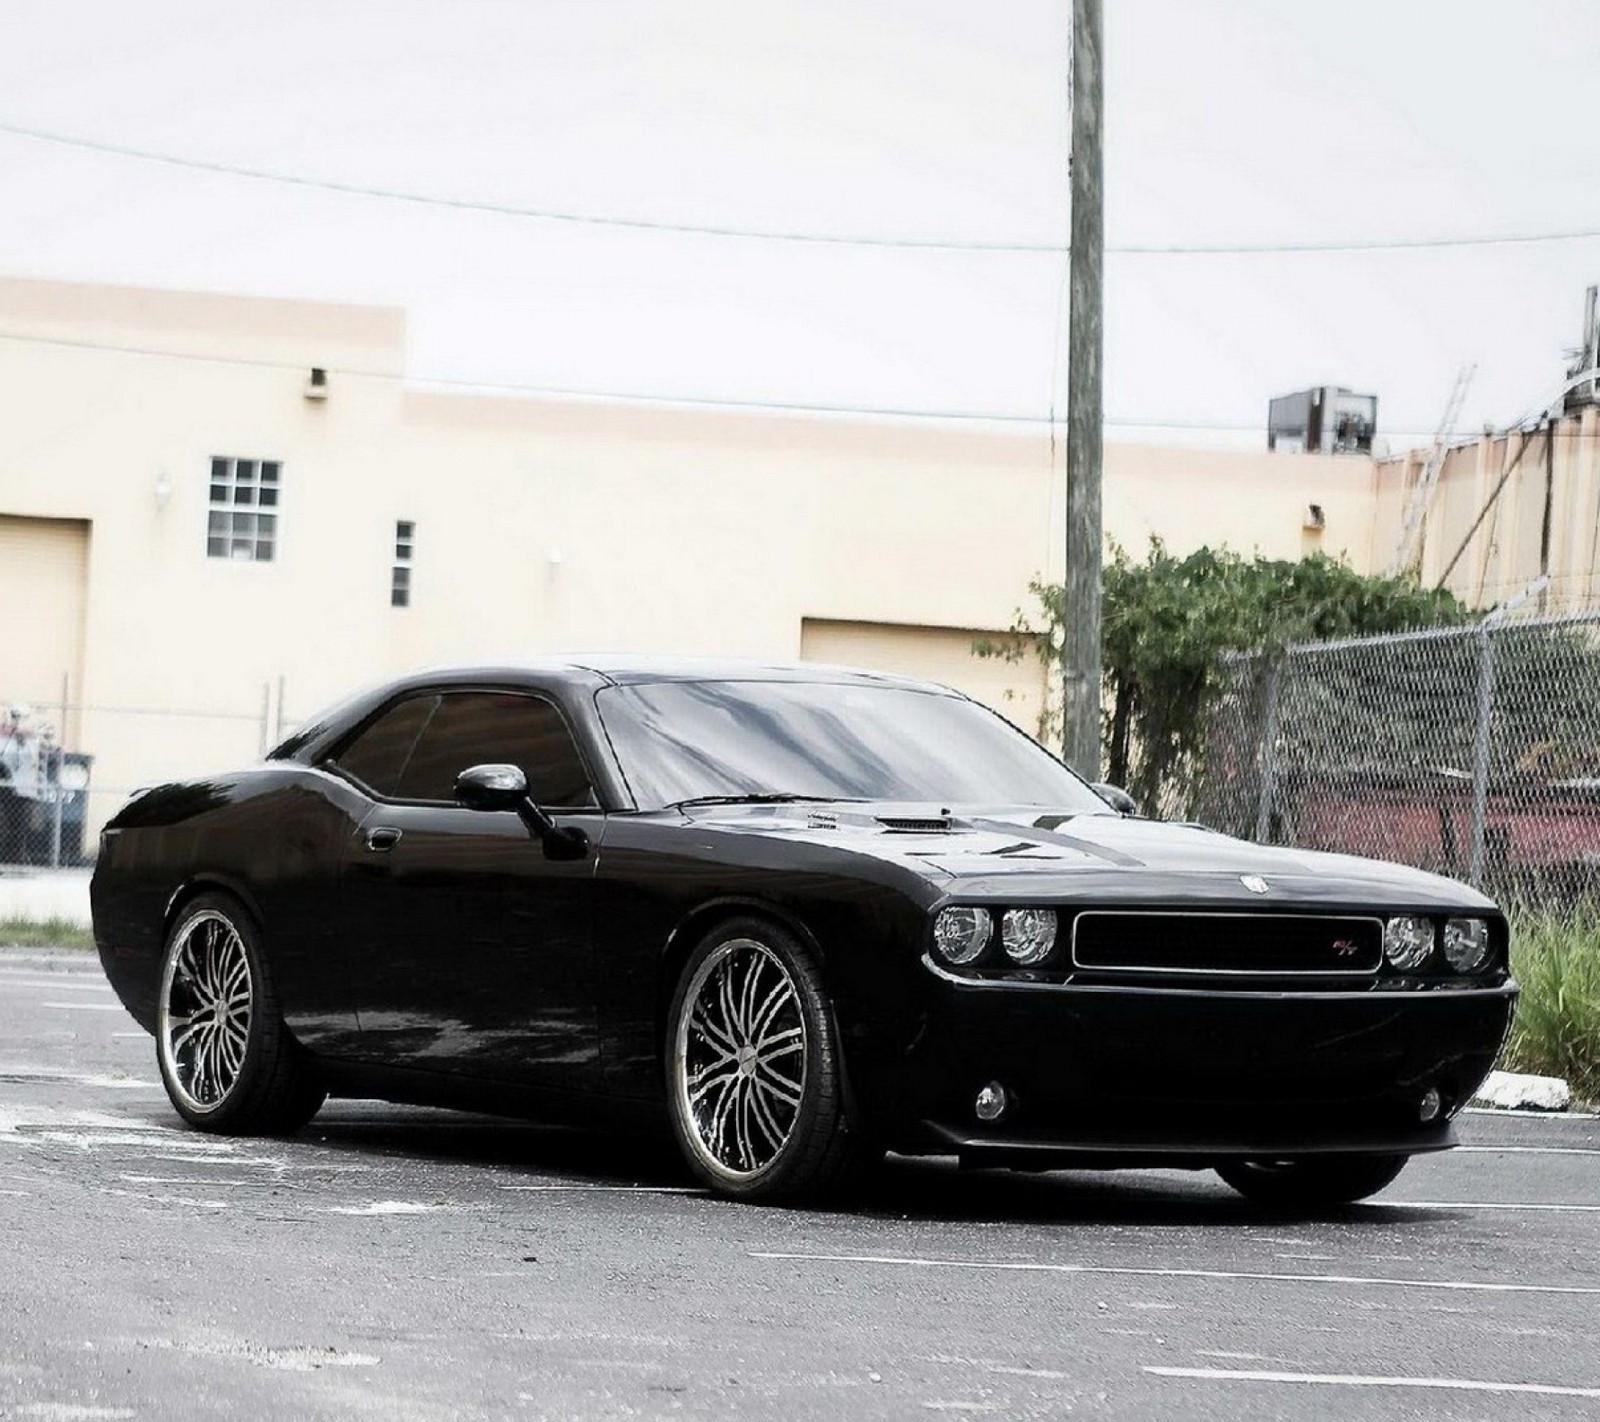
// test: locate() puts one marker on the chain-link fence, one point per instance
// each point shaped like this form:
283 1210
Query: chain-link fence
66 766
1472 751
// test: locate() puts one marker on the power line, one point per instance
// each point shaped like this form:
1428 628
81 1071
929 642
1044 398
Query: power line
1044 422
1372 244
542 214
832 239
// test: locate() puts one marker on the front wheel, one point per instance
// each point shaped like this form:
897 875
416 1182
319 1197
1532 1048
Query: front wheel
755 1080
1310 1180
227 1061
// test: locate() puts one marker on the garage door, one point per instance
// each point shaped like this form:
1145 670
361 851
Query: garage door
941 654
44 568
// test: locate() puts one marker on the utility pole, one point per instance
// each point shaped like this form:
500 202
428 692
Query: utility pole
1080 652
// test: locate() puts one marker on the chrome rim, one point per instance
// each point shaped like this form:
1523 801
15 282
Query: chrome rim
740 1059
204 1015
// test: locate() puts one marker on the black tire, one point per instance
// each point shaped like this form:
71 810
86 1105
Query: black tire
1309 1181
227 1061
757 1095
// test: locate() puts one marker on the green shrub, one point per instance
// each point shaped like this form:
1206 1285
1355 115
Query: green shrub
1556 958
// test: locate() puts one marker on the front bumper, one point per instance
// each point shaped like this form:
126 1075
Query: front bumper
1139 1075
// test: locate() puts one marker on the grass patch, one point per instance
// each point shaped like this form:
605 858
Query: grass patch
1556 958
44 933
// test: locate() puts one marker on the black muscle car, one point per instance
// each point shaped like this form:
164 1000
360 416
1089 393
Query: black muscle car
802 915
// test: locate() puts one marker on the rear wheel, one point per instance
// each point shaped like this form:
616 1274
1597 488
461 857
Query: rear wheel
227 1061
1311 1180
754 1074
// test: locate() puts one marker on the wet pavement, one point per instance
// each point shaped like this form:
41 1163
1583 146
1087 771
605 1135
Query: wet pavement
401 1263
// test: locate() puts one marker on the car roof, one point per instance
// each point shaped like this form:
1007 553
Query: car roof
590 671
621 669
626 670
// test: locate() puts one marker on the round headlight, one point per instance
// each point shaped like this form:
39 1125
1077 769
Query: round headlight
1407 942
961 933
1028 934
1466 944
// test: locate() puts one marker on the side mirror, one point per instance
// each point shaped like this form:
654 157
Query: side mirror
1118 798
492 787
505 787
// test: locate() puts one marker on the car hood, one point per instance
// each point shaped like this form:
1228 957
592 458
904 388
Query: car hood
1007 852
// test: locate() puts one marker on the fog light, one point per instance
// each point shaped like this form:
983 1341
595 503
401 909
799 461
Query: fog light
1430 1106
992 1102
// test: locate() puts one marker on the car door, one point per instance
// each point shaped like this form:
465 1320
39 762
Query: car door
470 951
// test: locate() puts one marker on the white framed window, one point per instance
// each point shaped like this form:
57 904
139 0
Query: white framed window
405 537
243 517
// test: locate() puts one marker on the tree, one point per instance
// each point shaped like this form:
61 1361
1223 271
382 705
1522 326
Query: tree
1168 622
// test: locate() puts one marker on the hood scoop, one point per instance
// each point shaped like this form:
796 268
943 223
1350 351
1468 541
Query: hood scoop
923 825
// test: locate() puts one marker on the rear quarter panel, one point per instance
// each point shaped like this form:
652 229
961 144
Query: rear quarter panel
272 837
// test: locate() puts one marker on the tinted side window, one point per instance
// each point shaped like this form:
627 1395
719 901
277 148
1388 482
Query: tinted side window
479 727
378 754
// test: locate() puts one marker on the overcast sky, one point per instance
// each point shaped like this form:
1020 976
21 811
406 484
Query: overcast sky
1228 122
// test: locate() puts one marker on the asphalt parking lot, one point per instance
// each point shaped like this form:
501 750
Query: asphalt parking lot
402 1264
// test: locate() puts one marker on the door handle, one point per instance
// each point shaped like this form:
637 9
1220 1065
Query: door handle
384 837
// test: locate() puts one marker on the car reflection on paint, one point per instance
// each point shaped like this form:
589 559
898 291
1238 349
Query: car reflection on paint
796 916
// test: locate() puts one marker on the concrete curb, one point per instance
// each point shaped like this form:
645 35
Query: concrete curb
1512 1091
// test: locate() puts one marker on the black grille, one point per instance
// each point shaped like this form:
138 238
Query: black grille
1261 944
911 826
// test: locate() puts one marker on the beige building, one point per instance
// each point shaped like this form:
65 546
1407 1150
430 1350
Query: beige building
1502 512
201 541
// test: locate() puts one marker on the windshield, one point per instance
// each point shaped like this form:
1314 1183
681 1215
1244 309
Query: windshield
680 740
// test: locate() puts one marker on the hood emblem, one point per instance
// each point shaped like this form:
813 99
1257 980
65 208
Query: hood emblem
1254 882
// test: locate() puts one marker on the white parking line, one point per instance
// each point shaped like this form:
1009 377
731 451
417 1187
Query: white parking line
1359 1380
388 1207
1048 1373
86 1006
610 1189
71 1412
195 1180
1225 1275
1530 1150
57 982
187 1201
1480 1205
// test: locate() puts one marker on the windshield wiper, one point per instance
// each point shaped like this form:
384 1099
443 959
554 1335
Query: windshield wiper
758 798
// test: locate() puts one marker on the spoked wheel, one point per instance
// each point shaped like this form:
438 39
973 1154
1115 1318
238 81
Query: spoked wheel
754 1075
227 1061
1308 1181
206 998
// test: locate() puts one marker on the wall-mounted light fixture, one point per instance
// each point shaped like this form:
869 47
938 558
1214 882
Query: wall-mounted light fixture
317 384
163 489
1315 520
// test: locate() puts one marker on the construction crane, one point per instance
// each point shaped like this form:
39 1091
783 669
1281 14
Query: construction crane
1408 552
